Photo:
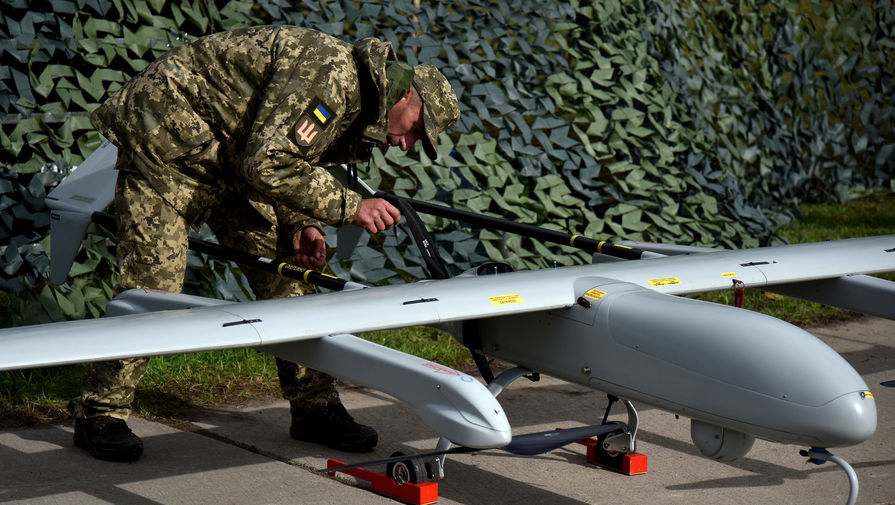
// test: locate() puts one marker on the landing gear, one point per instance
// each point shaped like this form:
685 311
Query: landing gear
616 450
819 456
409 477
407 470
624 442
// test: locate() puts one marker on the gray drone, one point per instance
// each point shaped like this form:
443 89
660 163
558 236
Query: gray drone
618 325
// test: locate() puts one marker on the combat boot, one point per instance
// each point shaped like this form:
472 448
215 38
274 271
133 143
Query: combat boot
335 428
108 438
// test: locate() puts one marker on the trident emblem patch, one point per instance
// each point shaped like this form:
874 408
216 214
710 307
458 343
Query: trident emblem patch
307 131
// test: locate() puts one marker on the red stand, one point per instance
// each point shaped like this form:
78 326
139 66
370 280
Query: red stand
417 494
627 464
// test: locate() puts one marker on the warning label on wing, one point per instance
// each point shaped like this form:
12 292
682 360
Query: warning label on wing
505 299
665 281
595 294
728 275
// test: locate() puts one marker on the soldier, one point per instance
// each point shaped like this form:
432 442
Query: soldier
234 129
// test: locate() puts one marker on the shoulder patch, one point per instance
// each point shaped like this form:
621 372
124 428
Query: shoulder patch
321 114
307 131
312 122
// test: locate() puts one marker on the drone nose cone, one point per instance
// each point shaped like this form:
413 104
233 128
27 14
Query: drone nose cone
850 420
484 423
740 369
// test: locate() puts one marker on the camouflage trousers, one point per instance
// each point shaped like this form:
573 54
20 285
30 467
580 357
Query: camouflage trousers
152 253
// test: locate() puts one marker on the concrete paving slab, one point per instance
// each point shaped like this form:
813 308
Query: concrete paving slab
41 466
266 466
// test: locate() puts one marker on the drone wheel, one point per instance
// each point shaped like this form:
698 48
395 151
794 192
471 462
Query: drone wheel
408 470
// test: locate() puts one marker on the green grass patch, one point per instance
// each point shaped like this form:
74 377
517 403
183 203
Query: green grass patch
863 217
429 343
39 395
207 378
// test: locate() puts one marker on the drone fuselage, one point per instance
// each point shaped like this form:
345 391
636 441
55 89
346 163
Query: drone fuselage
729 367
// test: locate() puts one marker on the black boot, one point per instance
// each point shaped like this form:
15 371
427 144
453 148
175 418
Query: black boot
335 428
108 438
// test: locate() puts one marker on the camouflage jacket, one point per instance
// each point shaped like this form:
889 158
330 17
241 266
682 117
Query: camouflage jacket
254 112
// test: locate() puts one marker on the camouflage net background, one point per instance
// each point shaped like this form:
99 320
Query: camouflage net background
699 123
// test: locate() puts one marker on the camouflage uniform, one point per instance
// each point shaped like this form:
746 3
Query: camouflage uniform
152 252
232 129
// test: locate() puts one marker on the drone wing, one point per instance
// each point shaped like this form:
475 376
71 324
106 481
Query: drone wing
829 272
211 324
201 324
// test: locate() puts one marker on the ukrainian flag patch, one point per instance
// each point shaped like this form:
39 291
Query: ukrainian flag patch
312 123
321 113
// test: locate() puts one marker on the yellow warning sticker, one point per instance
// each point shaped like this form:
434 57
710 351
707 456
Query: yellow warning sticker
505 299
665 281
728 275
595 294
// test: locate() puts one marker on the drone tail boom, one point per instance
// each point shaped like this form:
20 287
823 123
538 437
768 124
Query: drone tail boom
456 405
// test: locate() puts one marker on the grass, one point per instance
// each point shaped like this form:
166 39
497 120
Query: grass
863 217
36 396
237 375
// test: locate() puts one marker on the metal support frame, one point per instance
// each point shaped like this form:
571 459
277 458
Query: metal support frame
626 441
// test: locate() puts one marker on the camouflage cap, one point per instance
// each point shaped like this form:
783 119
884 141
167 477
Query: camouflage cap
440 106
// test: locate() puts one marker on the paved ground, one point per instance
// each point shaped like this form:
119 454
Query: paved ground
244 456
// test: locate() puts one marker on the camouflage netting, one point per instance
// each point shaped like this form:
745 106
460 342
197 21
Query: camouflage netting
698 123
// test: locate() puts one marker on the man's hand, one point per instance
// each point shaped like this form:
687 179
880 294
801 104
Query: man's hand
377 215
309 248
